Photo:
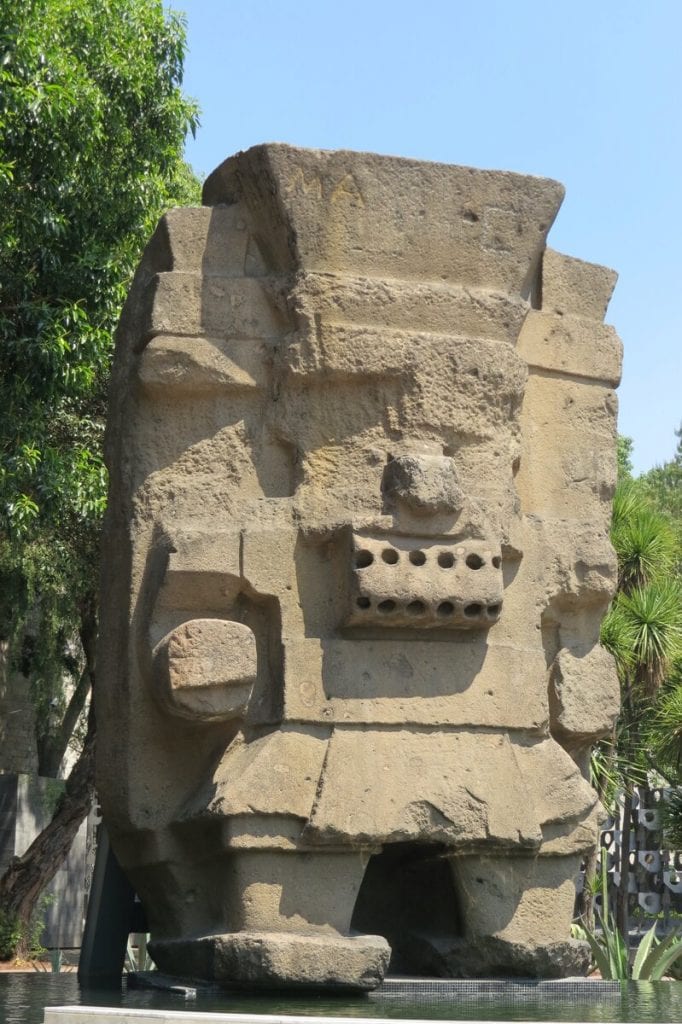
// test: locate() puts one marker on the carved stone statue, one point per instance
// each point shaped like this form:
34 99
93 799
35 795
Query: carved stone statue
362 448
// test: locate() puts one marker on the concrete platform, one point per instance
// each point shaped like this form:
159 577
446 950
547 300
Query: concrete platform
105 1015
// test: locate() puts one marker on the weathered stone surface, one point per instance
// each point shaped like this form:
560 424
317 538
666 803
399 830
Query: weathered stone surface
572 346
206 669
407 582
573 287
361 447
491 957
426 483
271 960
578 717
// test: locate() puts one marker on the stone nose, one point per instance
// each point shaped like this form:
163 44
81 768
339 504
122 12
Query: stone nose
427 484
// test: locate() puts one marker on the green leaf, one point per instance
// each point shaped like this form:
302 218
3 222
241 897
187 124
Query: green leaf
660 959
599 955
643 951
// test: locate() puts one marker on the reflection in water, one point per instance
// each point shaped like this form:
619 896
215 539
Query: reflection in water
24 996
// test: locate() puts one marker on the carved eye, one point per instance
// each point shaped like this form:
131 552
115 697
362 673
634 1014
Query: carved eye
417 557
474 561
446 560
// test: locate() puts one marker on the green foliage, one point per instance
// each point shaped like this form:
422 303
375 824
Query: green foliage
663 487
671 817
643 538
37 926
92 126
653 959
643 631
624 457
93 123
649 621
643 627
10 935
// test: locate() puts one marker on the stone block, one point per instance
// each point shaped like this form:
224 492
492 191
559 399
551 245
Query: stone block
271 960
575 720
417 583
572 347
206 669
571 286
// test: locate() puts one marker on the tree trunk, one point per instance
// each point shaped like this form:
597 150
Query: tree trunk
53 747
51 751
27 876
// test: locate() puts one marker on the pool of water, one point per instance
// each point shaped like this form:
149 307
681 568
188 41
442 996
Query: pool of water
23 998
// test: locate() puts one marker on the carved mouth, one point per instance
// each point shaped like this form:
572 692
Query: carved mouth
424 583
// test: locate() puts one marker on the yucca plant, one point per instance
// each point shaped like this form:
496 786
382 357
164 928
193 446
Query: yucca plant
643 537
654 615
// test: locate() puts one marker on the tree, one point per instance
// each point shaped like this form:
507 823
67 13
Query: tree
663 485
92 126
624 447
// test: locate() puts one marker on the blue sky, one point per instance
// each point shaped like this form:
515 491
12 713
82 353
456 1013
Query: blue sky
588 93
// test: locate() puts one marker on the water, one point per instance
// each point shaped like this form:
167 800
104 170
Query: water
24 996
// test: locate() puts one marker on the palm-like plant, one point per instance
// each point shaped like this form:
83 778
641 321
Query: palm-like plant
643 538
664 734
643 628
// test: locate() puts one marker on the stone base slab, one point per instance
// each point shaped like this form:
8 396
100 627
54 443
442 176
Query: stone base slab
491 956
277 960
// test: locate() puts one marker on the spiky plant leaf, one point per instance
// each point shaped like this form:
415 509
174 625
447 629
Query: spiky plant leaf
655 614
643 951
660 959
600 957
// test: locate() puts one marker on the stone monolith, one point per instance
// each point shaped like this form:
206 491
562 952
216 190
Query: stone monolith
362 450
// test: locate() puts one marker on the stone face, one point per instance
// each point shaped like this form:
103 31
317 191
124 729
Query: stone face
361 447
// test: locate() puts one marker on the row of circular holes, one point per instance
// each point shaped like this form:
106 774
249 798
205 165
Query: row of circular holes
446 559
444 609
